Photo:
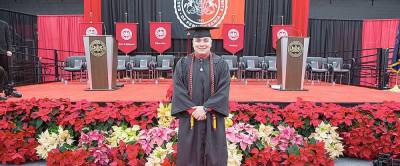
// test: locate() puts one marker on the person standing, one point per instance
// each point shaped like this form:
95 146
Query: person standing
200 97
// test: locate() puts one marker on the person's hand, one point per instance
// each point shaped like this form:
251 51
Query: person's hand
199 113
9 53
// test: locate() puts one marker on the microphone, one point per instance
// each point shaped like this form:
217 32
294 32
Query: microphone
105 29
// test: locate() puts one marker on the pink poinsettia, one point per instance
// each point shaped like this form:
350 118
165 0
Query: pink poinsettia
101 154
286 138
155 136
87 139
241 133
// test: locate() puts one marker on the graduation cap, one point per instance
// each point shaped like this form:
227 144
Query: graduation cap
199 32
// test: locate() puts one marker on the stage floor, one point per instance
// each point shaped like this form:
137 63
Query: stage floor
254 91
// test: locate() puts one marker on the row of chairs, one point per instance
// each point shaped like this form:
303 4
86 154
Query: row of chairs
134 66
266 66
137 66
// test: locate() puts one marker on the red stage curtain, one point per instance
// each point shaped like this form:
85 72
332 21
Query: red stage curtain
61 33
93 6
376 34
300 13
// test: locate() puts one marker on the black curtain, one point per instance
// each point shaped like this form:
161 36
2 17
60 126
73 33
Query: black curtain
259 16
23 31
336 38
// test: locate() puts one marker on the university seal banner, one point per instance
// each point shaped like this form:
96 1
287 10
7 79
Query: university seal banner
160 36
233 36
193 13
279 31
90 29
126 34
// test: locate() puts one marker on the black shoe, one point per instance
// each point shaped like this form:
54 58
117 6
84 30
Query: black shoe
3 98
16 94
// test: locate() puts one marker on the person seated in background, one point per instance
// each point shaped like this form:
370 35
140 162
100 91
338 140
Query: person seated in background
5 85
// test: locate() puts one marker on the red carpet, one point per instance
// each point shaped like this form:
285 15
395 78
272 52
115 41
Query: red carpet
254 91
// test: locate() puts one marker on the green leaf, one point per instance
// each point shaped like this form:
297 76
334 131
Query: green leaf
312 141
38 123
294 149
90 158
63 149
110 121
259 145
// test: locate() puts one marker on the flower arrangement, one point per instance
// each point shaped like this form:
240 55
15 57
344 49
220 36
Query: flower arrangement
120 133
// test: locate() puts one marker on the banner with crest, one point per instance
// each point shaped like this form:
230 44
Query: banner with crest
89 29
233 36
160 36
279 31
192 13
126 34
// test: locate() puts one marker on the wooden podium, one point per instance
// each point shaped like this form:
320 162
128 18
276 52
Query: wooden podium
101 57
291 62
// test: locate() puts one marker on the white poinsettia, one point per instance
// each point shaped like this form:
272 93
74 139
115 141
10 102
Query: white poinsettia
128 135
49 141
266 132
234 155
327 134
156 158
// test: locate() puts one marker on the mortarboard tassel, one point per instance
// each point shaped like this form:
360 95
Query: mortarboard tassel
214 121
191 122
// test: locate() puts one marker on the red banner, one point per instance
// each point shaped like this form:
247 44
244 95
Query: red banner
92 10
279 31
300 14
160 36
91 28
233 36
126 34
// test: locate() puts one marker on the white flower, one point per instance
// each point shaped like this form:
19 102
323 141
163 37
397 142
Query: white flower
156 158
265 134
49 141
234 155
124 134
327 134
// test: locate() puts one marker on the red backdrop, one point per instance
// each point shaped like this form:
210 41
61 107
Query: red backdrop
376 34
59 32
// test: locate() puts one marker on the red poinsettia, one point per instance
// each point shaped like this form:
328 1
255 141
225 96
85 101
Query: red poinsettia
19 147
68 158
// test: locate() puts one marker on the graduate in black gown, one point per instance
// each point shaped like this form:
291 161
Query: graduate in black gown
200 102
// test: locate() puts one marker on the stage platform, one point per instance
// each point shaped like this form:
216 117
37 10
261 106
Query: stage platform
253 91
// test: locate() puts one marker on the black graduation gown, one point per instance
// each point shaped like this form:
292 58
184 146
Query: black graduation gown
201 145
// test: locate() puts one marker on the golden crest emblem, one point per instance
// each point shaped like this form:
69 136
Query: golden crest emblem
295 49
97 48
